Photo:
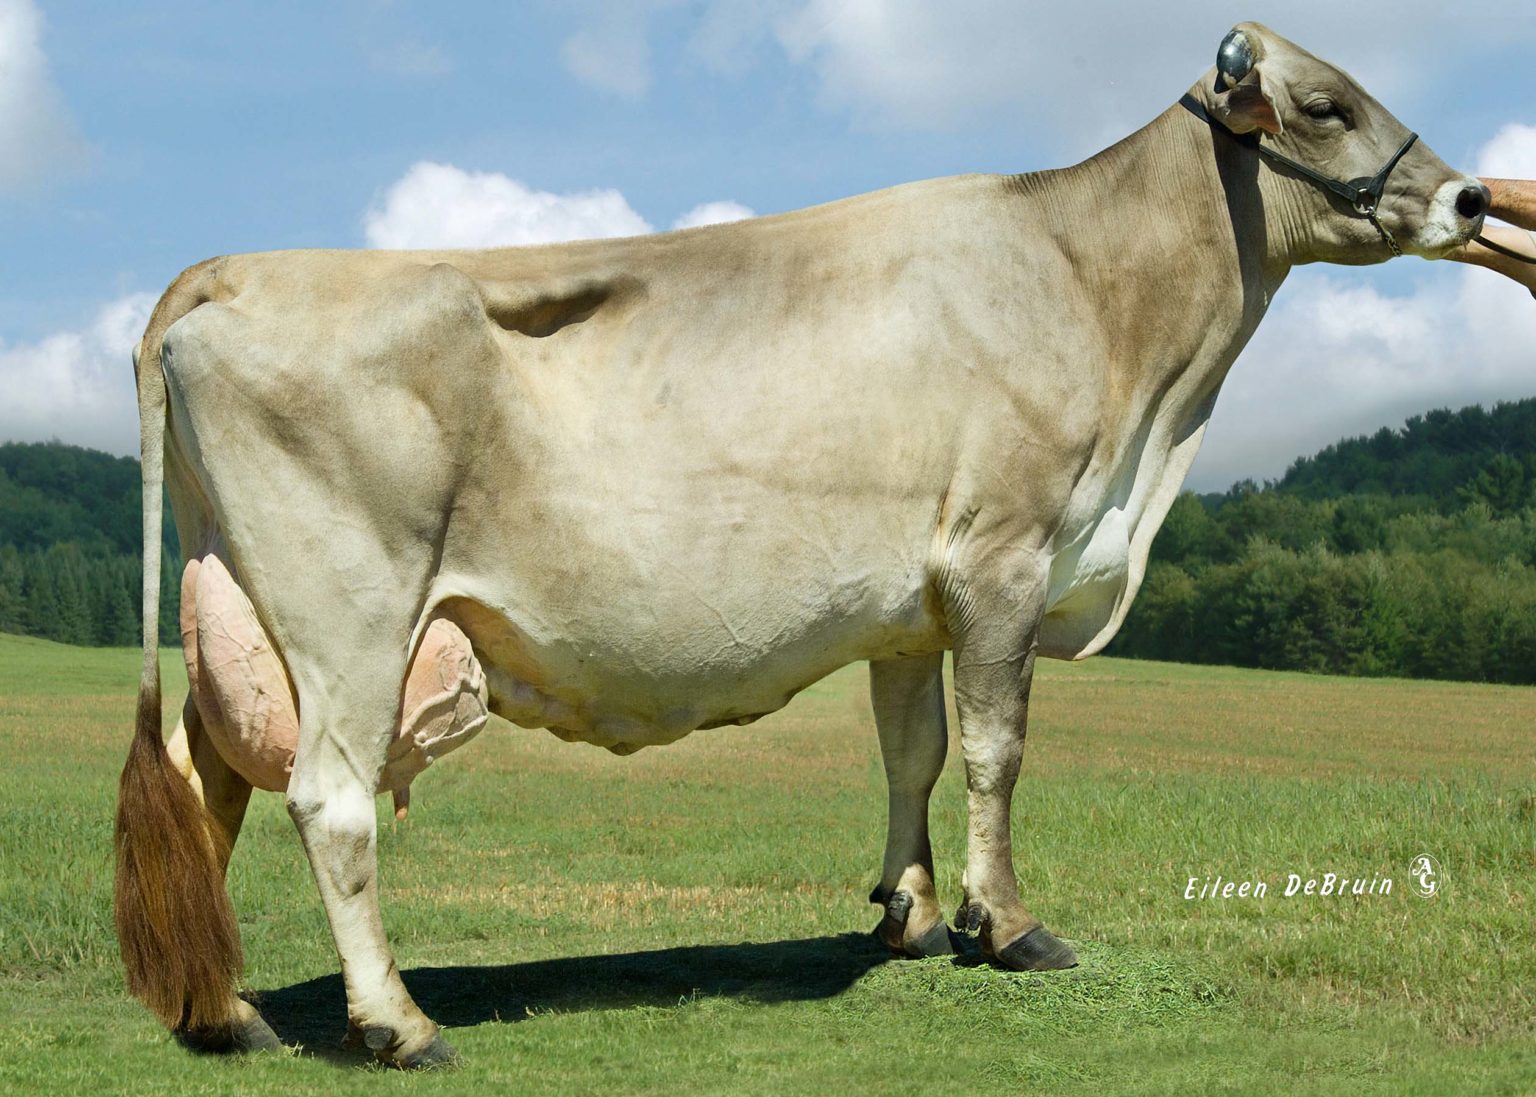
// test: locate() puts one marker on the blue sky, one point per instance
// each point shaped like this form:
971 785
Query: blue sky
141 138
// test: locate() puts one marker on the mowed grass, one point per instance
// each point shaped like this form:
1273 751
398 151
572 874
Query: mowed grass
693 919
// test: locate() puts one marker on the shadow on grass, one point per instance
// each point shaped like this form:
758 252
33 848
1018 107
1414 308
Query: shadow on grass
313 1013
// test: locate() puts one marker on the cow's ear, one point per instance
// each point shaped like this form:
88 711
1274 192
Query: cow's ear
1249 106
1242 102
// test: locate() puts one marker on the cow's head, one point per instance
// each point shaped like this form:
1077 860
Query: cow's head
1316 115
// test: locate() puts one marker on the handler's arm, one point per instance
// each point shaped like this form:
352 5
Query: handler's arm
1516 240
1514 200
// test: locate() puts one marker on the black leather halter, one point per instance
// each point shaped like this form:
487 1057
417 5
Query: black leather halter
1362 194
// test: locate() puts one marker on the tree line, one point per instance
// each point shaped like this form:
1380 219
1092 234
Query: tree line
63 593
1409 552
70 530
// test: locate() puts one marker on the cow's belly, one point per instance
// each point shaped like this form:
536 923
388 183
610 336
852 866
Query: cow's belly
625 714
624 680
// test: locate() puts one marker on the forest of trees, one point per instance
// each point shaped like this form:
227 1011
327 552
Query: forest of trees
1410 552
69 546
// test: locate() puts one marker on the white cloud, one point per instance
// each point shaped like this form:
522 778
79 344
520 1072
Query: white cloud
1511 154
37 134
713 213
77 385
442 206
1082 74
1336 358
922 65
612 50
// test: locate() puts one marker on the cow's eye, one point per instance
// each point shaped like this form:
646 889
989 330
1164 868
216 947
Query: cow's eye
1323 108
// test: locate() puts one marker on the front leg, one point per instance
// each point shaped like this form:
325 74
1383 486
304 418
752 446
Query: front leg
994 665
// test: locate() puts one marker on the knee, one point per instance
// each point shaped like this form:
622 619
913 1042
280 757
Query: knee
335 810
305 800
303 809
339 831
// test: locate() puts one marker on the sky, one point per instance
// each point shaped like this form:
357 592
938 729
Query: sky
137 139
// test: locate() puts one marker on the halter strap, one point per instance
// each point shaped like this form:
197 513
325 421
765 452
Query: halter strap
1362 194
1502 250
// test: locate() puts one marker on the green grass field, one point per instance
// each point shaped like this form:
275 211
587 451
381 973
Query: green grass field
693 919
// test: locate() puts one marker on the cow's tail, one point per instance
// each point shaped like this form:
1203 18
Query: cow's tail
175 924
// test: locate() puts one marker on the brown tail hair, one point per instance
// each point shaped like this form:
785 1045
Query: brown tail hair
175 924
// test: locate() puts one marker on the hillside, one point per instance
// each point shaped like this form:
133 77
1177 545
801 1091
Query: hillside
1447 457
1410 552
69 546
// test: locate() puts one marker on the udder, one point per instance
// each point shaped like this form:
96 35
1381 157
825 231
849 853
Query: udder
247 702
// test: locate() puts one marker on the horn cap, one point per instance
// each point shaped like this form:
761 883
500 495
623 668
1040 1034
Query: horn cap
1234 60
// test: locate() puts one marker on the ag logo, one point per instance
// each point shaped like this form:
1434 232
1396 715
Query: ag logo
1425 871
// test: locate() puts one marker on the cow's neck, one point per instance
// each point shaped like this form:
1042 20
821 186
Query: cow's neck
1171 258
1168 231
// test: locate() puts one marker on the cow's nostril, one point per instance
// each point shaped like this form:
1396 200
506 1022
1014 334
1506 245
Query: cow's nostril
1472 202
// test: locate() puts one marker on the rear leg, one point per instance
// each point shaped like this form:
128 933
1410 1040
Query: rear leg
246 714
225 795
908 697
350 699
223 792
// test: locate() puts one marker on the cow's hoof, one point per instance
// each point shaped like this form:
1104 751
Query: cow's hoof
892 930
436 1055
381 1040
1037 950
934 941
385 1045
255 1035
243 1036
